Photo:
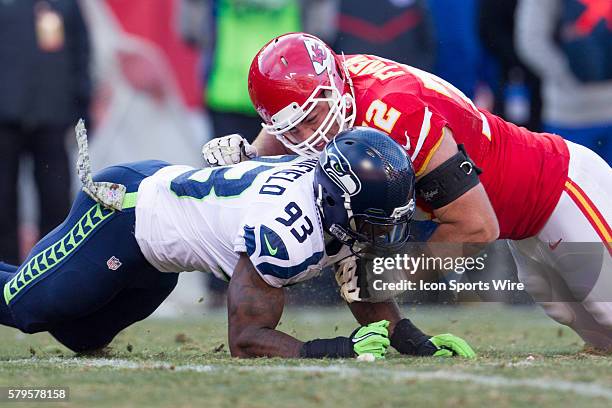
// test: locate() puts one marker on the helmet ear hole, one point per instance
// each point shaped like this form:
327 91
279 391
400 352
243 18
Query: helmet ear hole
330 201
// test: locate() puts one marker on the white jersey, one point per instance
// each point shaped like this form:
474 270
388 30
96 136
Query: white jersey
191 219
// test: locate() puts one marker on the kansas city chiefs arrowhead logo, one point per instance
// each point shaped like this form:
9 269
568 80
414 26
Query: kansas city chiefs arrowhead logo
319 55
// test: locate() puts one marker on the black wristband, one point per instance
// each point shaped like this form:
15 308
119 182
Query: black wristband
340 347
408 339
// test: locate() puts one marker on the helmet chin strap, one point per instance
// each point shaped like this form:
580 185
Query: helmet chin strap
355 246
339 119
341 232
349 211
336 230
320 199
331 104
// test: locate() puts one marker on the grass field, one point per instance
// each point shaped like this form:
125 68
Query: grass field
524 359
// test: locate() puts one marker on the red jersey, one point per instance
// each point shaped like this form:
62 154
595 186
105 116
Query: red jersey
523 172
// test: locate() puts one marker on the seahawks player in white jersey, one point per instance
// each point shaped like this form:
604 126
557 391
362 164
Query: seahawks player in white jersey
203 219
259 224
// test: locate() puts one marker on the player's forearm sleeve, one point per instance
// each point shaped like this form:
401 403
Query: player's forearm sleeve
340 347
409 339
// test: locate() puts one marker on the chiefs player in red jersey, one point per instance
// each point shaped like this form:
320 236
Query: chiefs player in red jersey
479 176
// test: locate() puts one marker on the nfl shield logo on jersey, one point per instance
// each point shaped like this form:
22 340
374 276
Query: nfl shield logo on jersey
113 263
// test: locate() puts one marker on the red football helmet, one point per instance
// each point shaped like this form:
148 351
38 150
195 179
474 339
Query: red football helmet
288 77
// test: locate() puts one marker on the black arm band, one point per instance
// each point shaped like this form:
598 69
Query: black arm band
340 347
408 339
449 181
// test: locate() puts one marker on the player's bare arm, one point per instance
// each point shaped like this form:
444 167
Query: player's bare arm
368 312
268 145
468 218
254 310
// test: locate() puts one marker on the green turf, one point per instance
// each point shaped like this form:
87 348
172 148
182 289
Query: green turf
512 344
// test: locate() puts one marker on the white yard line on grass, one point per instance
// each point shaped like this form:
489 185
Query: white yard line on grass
496 381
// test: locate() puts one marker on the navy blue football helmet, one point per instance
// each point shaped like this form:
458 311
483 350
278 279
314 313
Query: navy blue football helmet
364 186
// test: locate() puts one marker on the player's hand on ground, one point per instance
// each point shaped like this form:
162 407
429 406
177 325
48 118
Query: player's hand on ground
448 345
373 339
227 150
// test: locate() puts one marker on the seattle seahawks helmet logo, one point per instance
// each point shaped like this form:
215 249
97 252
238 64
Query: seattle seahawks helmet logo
338 169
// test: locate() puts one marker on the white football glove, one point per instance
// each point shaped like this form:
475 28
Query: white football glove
346 276
227 150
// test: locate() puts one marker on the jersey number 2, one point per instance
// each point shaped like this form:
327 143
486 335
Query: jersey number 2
382 116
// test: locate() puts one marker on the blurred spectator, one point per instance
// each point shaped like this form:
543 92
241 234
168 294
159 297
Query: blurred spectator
568 43
401 30
459 53
44 89
517 95
230 32
147 99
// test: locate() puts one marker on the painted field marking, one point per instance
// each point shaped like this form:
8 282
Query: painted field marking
496 381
